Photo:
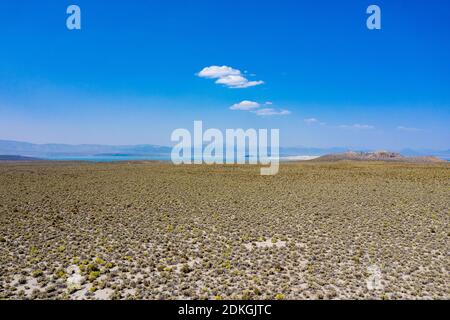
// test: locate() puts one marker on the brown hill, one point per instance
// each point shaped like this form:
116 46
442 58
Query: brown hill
376 156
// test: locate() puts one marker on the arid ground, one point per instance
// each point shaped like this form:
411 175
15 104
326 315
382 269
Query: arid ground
156 231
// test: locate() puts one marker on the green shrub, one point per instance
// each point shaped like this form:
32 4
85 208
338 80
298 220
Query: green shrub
279 296
93 275
37 273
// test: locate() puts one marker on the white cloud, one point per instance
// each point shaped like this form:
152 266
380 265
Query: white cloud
311 120
271 112
252 106
401 128
228 76
357 126
237 82
245 105
214 72
269 102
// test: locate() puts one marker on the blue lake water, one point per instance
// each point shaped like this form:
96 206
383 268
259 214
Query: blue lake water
115 158
111 158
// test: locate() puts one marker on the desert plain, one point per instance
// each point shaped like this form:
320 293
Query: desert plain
152 230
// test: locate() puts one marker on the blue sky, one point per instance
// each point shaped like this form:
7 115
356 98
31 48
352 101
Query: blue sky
130 75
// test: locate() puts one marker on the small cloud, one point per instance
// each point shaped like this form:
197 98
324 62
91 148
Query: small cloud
238 82
271 112
215 72
357 126
228 76
311 120
245 105
252 106
407 129
268 103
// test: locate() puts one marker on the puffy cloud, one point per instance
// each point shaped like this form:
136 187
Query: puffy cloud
245 105
228 76
271 112
214 72
237 82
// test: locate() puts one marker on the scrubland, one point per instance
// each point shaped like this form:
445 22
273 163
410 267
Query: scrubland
351 230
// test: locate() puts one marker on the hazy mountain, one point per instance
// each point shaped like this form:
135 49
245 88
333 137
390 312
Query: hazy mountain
18 148
54 150
16 158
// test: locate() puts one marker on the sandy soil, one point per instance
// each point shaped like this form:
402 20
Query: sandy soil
157 231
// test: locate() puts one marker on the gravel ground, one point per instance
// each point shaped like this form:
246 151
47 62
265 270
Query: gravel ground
157 231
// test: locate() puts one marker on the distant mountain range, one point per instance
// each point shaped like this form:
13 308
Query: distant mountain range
65 150
25 149
16 158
